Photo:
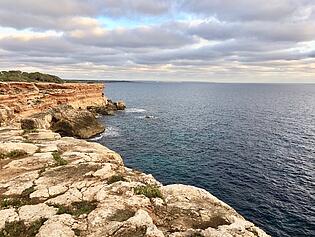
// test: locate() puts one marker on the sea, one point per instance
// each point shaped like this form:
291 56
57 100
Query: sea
250 145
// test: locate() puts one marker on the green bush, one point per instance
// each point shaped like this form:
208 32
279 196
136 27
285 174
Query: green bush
77 208
59 160
116 178
20 229
13 154
149 191
18 200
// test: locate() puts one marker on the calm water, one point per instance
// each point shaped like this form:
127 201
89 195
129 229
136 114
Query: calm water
252 146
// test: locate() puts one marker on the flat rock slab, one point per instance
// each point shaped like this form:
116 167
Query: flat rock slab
31 213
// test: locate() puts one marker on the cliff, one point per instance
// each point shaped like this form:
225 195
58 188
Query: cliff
21 99
52 186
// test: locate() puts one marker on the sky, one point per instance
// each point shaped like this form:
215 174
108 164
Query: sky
164 40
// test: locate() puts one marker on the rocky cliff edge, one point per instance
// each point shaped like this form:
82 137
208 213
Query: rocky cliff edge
60 186
22 99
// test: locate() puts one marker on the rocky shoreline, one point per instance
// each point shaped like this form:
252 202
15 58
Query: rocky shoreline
60 186
55 185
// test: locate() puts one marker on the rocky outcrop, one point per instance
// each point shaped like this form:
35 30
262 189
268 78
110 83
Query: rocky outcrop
75 123
109 108
65 120
62 186
22 99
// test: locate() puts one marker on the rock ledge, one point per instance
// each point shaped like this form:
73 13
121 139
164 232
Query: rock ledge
69 187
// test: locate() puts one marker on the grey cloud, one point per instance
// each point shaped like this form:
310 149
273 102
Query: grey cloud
269 31
227 36
244 10
47 14
141 37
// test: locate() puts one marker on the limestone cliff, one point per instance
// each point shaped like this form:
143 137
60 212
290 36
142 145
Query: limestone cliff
52 186
20 99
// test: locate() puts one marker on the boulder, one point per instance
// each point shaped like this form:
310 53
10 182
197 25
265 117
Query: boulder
37 121
66 121
120 105
75 123
103 110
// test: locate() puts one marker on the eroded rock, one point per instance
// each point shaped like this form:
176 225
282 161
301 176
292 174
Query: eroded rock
94 194
30 213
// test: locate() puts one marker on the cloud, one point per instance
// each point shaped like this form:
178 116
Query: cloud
248 10
140 37
181 39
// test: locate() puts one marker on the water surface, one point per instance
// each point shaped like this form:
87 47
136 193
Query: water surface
251 145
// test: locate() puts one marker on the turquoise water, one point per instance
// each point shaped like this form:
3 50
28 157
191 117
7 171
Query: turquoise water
251 145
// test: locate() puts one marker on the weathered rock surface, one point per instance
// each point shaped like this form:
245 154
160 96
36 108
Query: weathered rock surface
75 123
65 120
22 99
120 105
92 193
108 109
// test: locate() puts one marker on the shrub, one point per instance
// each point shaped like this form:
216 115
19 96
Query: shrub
116 178
29 130
20 229
59 160
13 154
19 200
77 208
149 191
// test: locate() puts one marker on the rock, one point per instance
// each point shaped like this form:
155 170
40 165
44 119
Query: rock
99 194
24 99
120 105
37 121
20 182
75 123
141 218
153 231
7 215
110 105
72 195
31 213
6 114
105 172
103 110
43 135
55 229
37 161
8 147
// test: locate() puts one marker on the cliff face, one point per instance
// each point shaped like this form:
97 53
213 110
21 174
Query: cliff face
52 186
19 99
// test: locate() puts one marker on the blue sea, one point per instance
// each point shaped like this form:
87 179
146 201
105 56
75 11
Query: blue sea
251 145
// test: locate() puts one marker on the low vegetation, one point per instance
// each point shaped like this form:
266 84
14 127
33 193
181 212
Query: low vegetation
13 154
149 191
121 215
21 229
32 130
18 200
116 178
77 208
59 160
7 76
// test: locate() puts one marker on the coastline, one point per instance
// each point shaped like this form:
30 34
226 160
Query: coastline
58 185
55 173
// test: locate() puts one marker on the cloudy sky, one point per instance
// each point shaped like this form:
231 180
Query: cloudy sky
196 40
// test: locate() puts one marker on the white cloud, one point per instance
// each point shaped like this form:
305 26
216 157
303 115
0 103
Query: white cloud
202 39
